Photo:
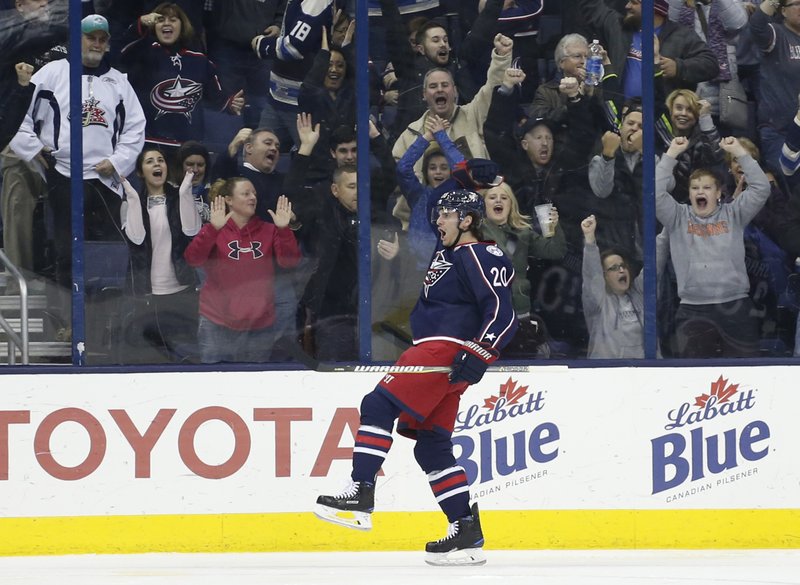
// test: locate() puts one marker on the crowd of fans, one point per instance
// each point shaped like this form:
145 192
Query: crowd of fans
220 153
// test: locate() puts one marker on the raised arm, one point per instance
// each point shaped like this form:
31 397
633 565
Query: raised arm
594 285
666 207
191 222
753 198
790 152
761 27
602 166
131 212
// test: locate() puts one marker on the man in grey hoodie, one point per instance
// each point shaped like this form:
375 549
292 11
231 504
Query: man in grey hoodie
707 249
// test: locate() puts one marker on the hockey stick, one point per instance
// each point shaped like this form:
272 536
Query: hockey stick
395 369
313 364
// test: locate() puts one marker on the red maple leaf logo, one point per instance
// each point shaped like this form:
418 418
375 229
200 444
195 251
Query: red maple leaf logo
719 391
509 391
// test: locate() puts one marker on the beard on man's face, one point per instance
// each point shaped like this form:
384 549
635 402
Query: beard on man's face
632 22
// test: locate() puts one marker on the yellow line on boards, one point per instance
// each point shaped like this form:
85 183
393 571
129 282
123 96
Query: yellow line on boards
510 530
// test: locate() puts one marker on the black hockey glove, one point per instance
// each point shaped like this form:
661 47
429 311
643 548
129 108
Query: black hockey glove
471 362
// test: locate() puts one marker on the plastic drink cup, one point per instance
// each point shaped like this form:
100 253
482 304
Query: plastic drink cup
543 214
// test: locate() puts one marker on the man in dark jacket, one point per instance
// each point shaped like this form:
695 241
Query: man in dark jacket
14 103
32 33
542 170
615 176
683 58
329 234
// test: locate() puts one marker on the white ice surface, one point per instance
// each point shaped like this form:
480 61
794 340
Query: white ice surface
405 568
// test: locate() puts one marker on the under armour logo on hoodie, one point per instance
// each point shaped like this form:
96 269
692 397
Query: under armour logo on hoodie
236 249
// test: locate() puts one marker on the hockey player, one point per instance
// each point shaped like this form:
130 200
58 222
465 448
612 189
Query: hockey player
463 317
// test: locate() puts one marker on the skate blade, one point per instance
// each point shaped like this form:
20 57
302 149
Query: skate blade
347 518
464 557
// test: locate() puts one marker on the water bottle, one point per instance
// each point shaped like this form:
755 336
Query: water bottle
594 64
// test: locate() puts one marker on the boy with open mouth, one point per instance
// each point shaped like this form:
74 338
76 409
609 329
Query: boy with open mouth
715 315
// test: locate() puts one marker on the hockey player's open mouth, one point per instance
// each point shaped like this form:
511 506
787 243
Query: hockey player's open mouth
442 234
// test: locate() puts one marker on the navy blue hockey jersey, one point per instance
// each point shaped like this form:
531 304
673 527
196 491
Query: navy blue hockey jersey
300 36
466 295
171 83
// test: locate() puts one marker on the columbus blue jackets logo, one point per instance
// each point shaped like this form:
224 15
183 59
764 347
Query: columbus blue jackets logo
92 114
236 250
176 96
438 268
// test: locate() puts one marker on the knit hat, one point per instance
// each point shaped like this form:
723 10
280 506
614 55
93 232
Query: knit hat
93 23
661 7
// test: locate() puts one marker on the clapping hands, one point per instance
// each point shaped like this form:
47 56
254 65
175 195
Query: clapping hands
433 124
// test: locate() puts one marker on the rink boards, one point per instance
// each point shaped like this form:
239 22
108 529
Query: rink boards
557 458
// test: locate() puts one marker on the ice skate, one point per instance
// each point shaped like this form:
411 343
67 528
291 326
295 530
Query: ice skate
463 544
351 508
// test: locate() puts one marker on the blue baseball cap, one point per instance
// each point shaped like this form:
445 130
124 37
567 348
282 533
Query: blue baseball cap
94 23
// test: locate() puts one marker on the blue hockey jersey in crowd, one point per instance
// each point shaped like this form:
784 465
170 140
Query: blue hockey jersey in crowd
171 83
300 36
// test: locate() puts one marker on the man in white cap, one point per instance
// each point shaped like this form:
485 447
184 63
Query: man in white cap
113 135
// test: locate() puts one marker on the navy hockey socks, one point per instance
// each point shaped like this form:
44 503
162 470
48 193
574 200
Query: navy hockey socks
372 446
451 490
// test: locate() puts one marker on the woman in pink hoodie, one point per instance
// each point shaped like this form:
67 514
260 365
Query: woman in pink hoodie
238 250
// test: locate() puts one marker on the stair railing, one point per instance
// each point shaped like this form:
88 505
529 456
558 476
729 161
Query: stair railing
17 340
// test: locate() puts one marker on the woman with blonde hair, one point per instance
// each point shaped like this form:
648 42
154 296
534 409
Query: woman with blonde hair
520 242
690 117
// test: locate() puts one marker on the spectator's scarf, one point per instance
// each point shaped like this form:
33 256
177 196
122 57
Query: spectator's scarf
715 36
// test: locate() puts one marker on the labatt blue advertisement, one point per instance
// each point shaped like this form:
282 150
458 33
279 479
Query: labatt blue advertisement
505 440
713 440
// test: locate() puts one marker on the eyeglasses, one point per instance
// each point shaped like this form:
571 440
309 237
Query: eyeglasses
617 267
